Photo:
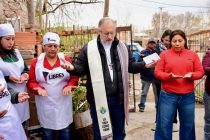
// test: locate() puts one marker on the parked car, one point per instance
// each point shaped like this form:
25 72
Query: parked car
136 48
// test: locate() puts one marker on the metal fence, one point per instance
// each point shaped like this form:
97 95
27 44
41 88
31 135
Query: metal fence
200 43
73 40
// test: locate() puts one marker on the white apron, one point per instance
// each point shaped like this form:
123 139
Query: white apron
55 110
10 125
15 69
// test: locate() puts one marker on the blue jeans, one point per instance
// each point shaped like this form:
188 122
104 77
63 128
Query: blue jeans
169 103
145 89
206 99
49 134
117 116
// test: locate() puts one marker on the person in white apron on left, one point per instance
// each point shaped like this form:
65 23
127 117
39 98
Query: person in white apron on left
13 67
10 124
52 86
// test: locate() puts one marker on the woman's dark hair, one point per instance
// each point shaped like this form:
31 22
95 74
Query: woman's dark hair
4 52
166 33
182 34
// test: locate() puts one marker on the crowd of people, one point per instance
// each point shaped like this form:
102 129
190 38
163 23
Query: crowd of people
106 62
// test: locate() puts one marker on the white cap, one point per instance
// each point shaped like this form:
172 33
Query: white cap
6 30
51 38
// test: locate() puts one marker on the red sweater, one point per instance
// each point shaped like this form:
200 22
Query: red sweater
32 83
178 63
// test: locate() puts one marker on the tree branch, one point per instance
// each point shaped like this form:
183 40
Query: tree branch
75 2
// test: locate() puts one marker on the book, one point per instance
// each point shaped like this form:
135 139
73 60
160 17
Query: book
151 58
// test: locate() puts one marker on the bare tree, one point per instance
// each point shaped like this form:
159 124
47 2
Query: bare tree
62 7
156 23
14 11
186 22
53 6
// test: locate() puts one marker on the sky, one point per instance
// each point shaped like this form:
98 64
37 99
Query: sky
137 12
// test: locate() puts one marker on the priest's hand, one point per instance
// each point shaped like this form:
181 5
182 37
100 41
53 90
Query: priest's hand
152 65
67 65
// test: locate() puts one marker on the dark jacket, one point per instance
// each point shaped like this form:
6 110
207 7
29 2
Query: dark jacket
206 66
160 47
147 74
114 88
14 95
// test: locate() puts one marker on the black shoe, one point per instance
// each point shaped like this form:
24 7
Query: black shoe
141 109
154 127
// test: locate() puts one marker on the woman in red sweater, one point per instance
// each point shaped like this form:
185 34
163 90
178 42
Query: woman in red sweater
177 69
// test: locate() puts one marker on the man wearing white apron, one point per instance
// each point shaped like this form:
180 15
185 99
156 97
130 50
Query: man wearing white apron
106 63
13 68
52 86
10 124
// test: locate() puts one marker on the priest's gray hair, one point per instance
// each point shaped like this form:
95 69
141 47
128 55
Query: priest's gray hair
104 19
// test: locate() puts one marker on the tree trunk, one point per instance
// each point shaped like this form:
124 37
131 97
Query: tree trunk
46 16
106 8
40 13
31 12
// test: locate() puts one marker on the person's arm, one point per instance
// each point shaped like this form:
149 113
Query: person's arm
73 81
32 83
81 65
26 69
159 69
198 69
14 95
206 63
6 79
134 67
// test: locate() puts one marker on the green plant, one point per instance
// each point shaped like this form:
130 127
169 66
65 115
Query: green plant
80 103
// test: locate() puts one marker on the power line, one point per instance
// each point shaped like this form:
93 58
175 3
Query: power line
137 4
175 5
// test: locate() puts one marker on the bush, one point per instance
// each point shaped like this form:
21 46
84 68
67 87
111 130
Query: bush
80 103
